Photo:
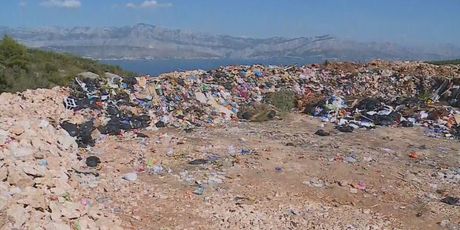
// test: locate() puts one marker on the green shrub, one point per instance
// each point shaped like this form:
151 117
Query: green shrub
12 53
257 112
22 68
284 100
445 62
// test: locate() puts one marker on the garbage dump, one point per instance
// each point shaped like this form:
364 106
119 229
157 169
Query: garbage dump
358 96
47 137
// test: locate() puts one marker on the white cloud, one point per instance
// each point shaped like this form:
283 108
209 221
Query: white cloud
62 3
131 5
148 4
22 3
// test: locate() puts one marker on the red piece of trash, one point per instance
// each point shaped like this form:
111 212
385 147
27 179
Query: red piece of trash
413 155
361 185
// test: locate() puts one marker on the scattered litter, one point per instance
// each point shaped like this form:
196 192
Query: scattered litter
351 159
322 133
231 150
451 200
361 185
93 161
345 128
315 182
158 170
141 135
199 191
413 155
247 151
198 162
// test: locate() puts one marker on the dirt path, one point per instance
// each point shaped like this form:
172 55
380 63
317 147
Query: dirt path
280 175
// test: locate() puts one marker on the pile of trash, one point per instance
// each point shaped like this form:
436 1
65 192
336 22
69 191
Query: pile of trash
441 120
37 181
350 95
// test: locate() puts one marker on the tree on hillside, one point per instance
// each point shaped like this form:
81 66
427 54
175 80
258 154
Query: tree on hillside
13 54
22 68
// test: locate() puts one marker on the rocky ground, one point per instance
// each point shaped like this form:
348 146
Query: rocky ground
270 175
289 178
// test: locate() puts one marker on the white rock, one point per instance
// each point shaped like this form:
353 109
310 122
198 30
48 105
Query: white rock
33 197
18 178
35 220
444 223
88 75
34 171
55 211
3 173
43 124
57 226
130 176
3 202
14 190
4 187
18 215
36 142
87 223
39 155
67 142
71 210
20 152
17 130
3 136
61 188
353 190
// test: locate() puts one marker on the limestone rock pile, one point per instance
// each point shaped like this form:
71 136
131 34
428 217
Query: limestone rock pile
38 187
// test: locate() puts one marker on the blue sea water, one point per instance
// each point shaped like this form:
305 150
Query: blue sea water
156 67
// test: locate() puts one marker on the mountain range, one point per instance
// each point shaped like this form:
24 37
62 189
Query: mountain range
143 41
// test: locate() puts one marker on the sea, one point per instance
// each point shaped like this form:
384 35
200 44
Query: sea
157 67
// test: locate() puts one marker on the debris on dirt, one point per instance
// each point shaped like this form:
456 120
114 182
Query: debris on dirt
351 159
322 133
198 162
414 155
278 169
345 128
93 161
199 191
361 185
315 182
451 200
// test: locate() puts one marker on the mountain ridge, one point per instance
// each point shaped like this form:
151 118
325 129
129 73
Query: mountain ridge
144 41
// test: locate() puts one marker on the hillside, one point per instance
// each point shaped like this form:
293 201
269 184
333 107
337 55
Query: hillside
445 62
22 68
143 41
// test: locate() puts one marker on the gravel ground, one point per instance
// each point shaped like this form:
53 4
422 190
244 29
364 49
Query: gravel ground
279 175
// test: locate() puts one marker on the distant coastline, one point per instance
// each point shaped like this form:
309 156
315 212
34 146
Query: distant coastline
156 67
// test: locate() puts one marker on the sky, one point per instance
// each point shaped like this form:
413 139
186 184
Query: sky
416 22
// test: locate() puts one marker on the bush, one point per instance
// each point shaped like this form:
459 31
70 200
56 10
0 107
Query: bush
12 53
284 100
22 68
445 62
257 112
